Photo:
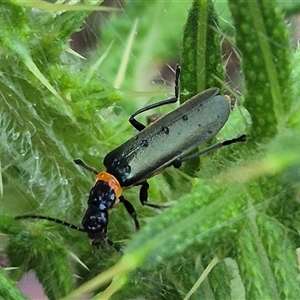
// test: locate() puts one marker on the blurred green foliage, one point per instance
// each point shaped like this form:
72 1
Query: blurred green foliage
242 207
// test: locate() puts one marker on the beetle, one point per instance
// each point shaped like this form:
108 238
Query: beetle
165 142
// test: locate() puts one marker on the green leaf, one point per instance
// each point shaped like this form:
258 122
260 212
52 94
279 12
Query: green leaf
201 59
8 289
263 40
242 208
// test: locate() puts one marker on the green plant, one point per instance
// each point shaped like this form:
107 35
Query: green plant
240 217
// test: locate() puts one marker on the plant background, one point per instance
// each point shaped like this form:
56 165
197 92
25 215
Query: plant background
241 210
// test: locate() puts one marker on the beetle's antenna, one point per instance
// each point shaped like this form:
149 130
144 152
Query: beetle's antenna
82 164
58 221
241 138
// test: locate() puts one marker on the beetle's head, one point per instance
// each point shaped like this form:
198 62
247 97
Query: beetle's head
95 224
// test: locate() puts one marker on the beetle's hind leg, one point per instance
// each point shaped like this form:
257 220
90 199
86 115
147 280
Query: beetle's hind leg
144 196
130 209
241 139
139 126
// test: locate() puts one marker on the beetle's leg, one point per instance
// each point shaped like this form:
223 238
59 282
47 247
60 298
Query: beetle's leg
177 163
108 242
144 196
82 164
130 209
112 244
139 126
